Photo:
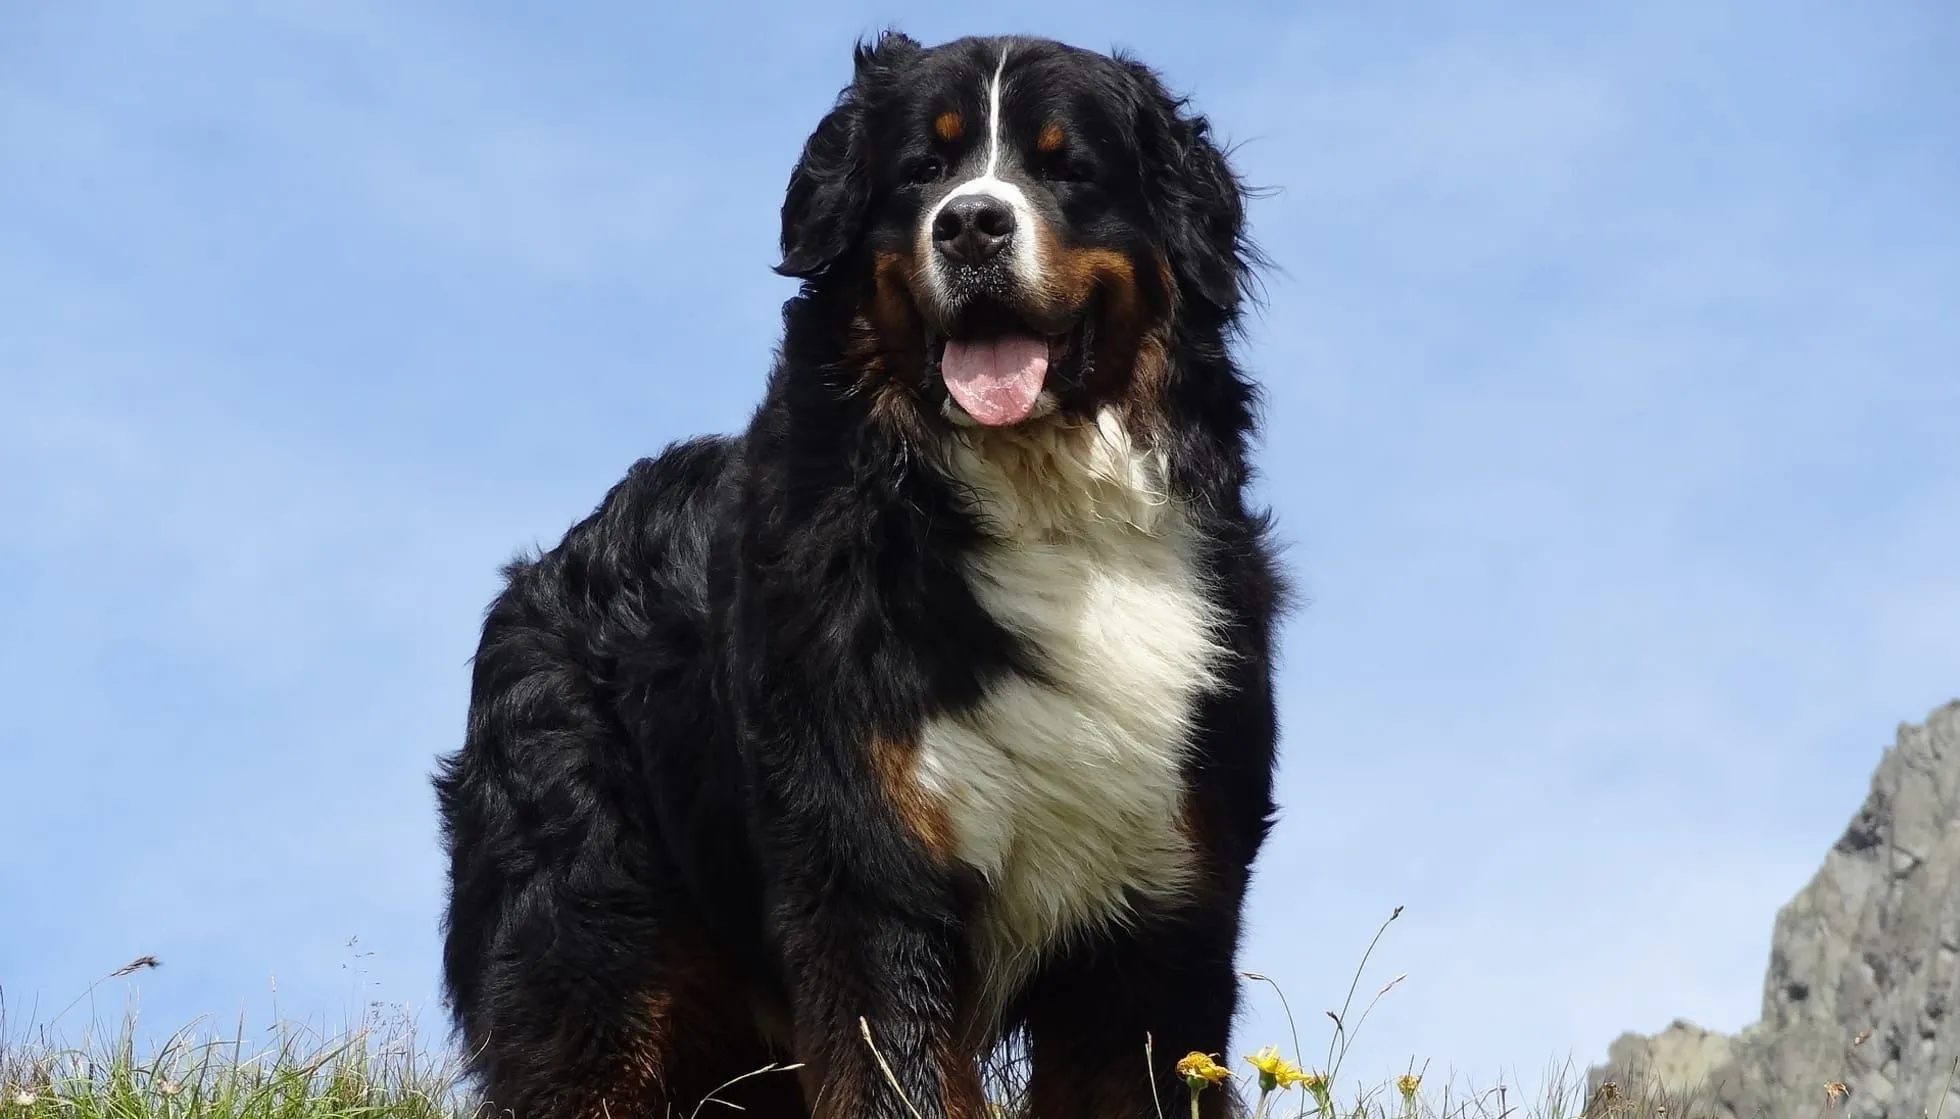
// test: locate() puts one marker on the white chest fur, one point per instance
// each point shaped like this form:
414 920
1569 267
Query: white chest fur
1064 791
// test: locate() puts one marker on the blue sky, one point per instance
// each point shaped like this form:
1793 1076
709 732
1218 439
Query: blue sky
1613 367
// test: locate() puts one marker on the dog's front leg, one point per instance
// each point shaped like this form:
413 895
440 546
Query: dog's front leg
866 919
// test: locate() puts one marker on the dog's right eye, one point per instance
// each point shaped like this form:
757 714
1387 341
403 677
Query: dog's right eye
927 170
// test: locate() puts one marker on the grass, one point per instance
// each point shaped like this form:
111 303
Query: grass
381 1070
296 1076
378 1070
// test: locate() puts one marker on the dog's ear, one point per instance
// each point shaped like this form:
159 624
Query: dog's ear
1199 200
1206 221
829 192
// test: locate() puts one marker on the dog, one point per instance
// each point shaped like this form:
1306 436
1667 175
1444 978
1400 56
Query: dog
936 707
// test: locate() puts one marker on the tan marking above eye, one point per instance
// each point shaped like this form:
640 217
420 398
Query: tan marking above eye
1050 139
948 126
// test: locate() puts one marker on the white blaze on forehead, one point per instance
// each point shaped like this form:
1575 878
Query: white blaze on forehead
993 117
1023 250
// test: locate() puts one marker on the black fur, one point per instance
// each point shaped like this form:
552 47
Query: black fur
672 857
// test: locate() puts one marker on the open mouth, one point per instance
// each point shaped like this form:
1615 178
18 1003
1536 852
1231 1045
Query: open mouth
1001 370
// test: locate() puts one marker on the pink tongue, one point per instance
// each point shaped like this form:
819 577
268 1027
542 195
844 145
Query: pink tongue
996 381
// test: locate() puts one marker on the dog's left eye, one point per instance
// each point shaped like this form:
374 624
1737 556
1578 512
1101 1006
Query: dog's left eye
927 170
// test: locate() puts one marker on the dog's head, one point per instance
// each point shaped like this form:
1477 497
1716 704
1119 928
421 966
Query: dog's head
1017 225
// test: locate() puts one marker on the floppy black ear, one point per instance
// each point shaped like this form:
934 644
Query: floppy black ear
1208 248
830 188
1200 201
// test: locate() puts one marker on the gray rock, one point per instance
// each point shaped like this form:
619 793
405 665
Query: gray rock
1864 972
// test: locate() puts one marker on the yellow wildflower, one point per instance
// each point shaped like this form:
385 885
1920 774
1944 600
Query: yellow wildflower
1274 1070
1200 1070
1408 1084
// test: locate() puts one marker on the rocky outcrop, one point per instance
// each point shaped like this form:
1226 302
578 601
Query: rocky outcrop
1863 989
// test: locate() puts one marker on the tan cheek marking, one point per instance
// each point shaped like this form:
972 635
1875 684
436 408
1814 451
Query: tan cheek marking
890 304
1050 139
1077 271
1132 342
948 126
887 331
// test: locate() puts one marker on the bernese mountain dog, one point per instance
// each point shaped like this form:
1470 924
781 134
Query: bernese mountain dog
935 708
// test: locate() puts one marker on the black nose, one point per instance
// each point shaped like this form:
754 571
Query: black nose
972 229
